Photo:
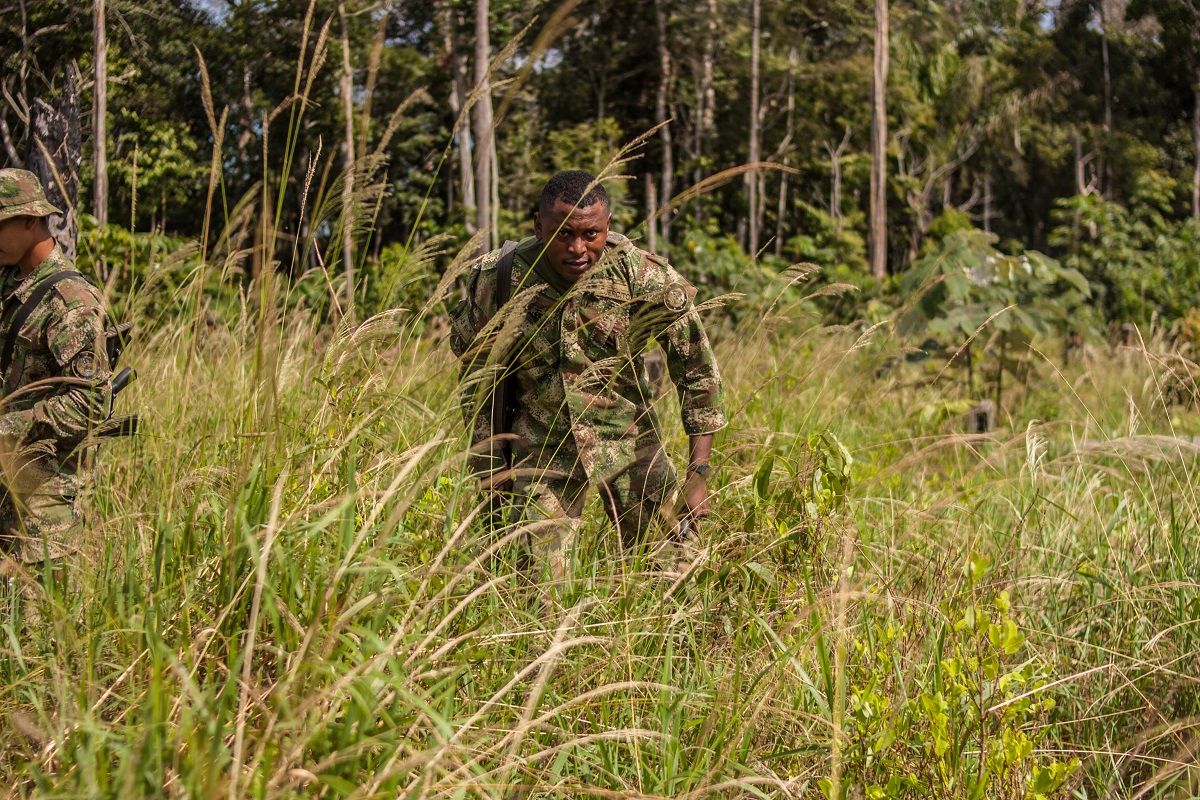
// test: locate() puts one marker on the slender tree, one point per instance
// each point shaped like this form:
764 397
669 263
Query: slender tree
484 146
1196 143
660 112
100 115
785 148
878 205
752 182
705 95
459 90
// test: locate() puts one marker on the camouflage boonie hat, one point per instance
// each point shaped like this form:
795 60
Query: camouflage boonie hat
21 195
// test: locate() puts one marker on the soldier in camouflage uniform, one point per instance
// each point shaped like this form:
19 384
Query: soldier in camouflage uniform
586 304
55 384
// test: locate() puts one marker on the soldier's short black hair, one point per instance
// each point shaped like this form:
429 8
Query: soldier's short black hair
574 187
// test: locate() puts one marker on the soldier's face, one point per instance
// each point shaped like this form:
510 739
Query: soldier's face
17 236
573 238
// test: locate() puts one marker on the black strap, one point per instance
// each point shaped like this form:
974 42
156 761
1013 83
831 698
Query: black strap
504 268
22 316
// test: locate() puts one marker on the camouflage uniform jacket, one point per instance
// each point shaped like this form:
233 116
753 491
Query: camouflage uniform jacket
61 347
583 399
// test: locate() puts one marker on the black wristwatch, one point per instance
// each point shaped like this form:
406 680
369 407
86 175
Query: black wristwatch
699 469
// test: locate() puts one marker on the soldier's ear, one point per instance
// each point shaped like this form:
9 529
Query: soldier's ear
537 224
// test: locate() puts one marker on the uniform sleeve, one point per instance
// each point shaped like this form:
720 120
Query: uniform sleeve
77 401
690 359
467 321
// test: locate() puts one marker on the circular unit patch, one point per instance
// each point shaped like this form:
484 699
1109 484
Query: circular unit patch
675 298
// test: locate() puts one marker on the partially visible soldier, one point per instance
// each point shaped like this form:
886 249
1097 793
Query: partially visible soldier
55 373
586 303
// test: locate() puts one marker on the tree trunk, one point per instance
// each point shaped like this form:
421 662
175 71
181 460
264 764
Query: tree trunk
483 125
789 133
494 203
1105 188
54 157
878 206
459 90
10 147
835 181
660 111
100 116
752 183
1196 147
346 89
706 99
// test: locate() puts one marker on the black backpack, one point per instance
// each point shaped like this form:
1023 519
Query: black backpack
115 338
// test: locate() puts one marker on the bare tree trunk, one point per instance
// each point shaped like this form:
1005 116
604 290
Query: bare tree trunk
706 96
1196 147
789 133
660 112
1106 188
780 211
752 183
100 115
878 207
54 157
835 182
346 89
495 188
483 125
459 91
10 147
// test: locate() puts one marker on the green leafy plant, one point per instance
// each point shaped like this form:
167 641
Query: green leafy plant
991 305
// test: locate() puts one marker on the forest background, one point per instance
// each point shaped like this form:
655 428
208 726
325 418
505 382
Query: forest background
1069 128
892 212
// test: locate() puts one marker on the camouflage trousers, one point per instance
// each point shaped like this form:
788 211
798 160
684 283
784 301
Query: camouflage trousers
633 499
39 513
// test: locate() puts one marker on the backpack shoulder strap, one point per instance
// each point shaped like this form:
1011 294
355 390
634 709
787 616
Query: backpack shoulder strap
504 270
22 316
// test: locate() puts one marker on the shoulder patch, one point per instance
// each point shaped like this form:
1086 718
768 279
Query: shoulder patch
675 297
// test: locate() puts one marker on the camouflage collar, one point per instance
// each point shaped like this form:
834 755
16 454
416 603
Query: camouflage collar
55 262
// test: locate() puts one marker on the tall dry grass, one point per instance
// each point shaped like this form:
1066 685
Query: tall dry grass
283 588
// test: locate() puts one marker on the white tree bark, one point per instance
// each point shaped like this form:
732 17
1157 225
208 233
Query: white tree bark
1196 147
483 125
459 90
752 182
878 204
660 111
789 133
100 115
706 95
